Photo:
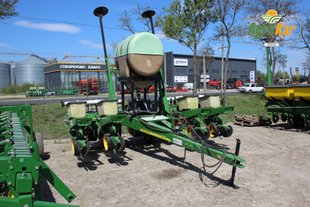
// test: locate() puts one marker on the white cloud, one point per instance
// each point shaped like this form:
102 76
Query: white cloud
90 44
53 27
4 45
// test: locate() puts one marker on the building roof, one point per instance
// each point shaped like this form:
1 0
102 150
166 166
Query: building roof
215 57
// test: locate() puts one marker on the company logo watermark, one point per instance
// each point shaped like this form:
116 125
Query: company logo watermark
272 16
274 28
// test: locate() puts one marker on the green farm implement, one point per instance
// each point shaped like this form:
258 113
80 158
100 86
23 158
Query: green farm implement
66 91
190 122
36 91
21 168
290 103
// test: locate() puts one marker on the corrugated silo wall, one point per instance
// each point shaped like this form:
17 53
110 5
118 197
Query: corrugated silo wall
5 75
29 73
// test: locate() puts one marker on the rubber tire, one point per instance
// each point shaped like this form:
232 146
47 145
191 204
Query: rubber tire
226 133
275 118
215 129
39 141
121 146
290 121
284 117
76 147
108 147
299 121
230 131
308 122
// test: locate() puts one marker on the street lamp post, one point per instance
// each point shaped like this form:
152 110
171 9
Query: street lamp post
149 14
100 12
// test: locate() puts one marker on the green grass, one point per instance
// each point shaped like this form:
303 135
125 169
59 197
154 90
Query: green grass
245 104
49 119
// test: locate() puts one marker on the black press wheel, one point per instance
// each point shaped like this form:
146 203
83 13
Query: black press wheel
283 117
275 118
299 121
229 131
290 120
226 131
120 146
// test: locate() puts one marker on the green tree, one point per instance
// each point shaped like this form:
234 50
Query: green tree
261 77
227 12
305 33
127 21
187 23
282 60
279 75
7 9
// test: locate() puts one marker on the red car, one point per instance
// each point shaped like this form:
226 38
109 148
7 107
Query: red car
215 83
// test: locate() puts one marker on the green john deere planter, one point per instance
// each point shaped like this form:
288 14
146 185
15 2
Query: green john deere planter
188 122
21 168
290 103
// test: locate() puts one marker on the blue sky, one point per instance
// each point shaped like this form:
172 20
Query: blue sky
30 32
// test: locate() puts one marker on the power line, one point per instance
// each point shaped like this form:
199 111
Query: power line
73 23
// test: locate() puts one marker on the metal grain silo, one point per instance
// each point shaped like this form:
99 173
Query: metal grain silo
5 75
30 70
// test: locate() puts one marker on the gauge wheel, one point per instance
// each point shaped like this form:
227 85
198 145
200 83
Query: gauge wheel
10 194
74 147
107 143
214 130
188 130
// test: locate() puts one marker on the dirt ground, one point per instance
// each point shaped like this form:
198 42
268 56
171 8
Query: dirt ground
277 173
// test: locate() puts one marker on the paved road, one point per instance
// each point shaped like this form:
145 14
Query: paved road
4 100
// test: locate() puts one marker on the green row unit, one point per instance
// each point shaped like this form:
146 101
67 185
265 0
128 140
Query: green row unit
21 167
102 121
290 103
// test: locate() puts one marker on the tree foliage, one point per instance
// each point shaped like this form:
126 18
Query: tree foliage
282 60
129 16
305 33
279 75
187 23
261 77
227 11
7 9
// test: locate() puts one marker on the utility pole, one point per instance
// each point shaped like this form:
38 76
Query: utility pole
283 75
222 69
204 70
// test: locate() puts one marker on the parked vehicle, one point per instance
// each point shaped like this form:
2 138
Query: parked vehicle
251 88
50 93
215 83
190 86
